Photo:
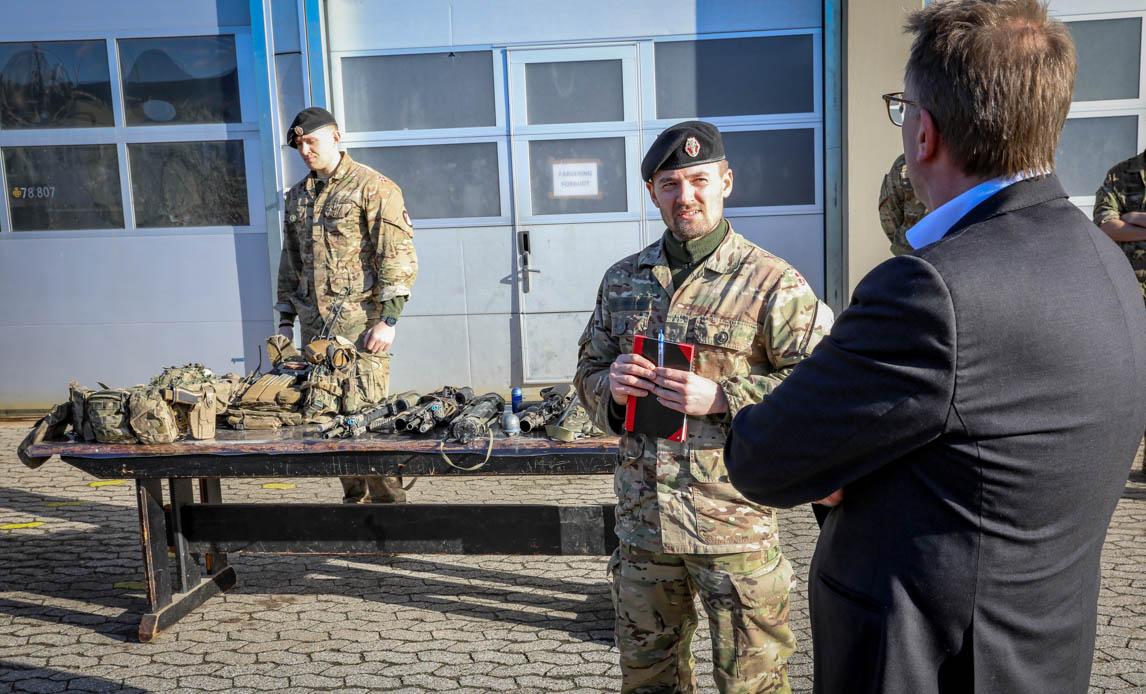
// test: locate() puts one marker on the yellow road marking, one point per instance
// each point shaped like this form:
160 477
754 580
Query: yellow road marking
20 526
57 504
278 485
105 483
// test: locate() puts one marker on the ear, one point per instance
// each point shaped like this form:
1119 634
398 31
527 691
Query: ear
336 135
926 137
652 194
726 183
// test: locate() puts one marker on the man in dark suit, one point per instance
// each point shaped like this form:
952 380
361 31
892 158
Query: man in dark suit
975 411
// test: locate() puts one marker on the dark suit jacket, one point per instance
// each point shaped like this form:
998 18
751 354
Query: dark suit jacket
980 403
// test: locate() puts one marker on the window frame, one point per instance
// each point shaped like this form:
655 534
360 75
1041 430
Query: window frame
120 134
1111 107
813 119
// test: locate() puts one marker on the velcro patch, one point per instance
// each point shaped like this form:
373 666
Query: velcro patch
630 303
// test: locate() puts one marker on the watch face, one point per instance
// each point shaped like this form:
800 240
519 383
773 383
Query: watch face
390 321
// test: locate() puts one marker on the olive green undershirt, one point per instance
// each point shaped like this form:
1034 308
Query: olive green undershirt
684 256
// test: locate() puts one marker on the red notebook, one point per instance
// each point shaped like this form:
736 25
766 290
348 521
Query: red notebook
645 415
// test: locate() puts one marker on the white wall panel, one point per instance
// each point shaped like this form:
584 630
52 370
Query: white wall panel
60 17
370 24
111 280
462 271
118 354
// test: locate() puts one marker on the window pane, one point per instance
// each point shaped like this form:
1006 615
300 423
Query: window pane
1108 58
734 77
415 92
54 84
1088 148
186 184
441 181
73 187
180 80
578 176
772 167
587 91
288 76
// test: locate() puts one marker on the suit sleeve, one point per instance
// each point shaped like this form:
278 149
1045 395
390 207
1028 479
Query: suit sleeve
878 386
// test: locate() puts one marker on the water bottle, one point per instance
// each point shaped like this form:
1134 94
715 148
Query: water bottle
515 397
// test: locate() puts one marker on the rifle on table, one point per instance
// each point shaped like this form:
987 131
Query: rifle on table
475 420
353 425
438 407
555 400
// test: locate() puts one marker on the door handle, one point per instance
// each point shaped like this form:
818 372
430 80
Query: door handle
526 271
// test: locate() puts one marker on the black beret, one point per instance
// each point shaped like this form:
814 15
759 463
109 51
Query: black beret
684 144
307 121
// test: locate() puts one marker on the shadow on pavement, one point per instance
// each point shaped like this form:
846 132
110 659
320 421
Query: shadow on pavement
26 678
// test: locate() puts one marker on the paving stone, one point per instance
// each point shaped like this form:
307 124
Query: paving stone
409 623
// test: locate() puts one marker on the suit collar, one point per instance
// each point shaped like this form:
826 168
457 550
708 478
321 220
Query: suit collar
1017 196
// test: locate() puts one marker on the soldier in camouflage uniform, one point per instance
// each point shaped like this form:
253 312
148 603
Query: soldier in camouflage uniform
346 226
899 209
684 529
1120 211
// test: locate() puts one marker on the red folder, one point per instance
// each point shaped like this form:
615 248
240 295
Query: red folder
645 415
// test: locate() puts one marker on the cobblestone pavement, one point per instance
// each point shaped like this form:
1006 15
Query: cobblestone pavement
71 597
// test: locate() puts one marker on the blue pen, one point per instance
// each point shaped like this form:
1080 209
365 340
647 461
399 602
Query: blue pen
660 348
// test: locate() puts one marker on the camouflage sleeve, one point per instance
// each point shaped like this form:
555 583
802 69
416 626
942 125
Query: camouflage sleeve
890 209
1108 202
289 263
393 237
794 323
596 351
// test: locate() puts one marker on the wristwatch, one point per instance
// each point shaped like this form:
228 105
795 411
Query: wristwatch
390 321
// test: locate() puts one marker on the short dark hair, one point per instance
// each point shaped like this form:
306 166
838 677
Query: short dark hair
997 78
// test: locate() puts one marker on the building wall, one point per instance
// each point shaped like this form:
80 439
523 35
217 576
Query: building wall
874 55
117 304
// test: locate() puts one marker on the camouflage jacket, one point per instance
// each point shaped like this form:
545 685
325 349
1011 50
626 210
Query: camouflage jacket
752 317
354 233
899 209
1124 190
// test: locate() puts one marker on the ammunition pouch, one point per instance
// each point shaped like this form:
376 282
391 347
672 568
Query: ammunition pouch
254 420
108 414
315 352
270 392
322 394
367 382
79 397
280 348
152 418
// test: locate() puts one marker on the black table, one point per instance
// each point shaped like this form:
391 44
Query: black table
200 530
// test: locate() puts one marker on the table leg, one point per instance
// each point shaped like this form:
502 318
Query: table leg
211 492
165 608
153 535
187 573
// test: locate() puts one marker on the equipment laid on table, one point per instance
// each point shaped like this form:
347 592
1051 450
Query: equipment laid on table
554 401
477 418
439 407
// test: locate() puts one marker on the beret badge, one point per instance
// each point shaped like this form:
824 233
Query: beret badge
691 147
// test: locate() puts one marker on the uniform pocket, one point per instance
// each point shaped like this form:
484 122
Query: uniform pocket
724 517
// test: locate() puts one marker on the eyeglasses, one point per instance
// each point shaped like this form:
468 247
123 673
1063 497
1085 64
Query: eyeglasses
897 107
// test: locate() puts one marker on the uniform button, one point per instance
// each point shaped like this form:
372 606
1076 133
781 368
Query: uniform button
721 337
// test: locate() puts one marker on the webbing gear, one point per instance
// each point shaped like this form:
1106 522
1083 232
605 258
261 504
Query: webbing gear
108 413
442 451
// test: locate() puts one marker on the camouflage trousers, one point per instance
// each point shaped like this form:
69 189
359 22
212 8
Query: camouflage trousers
745 598
357 490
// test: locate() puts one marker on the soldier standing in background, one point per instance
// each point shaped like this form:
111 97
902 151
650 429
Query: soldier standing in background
346 226
684 530
1120 211
899 209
